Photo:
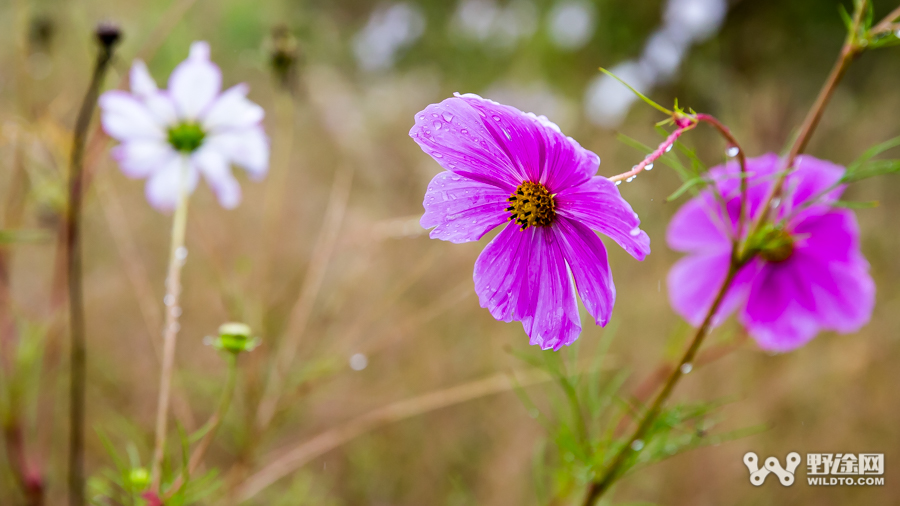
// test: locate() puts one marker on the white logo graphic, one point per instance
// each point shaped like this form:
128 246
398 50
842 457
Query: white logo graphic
758 475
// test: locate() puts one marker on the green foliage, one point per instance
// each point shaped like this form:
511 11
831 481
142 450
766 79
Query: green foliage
590 417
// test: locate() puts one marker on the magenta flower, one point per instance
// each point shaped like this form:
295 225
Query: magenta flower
808 275
505 166
188 130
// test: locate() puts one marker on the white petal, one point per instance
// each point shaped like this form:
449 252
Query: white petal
162 107
163 187
217 173
232 110
140 158
142 84
195 82
124 117
248 148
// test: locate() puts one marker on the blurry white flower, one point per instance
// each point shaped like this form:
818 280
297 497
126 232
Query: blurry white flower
697 20
189 129
388 30
485 21
571 23
663 53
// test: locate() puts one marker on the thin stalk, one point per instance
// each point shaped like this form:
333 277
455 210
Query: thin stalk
107 37
177 255
612 472
210 427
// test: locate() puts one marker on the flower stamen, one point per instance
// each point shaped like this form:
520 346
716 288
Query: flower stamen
532 205
186 137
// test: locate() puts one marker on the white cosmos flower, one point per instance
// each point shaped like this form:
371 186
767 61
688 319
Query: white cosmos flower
190 127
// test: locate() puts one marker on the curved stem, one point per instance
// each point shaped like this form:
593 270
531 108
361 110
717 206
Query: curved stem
210 427
177 256
662 149
742 160
613 471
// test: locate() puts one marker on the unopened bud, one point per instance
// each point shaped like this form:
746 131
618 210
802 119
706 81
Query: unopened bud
235 338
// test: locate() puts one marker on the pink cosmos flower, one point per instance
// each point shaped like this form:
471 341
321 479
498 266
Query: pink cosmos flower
505 167
808 275
189 129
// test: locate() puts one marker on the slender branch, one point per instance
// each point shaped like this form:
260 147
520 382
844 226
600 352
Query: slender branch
177 256
210 428
598 487
886 24
683 126
850 50
107 37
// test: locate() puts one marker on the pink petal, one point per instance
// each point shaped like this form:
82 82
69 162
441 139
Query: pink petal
501 275
699 226
461 209
586 256
597 204
195 82
694 282
535 145
554 320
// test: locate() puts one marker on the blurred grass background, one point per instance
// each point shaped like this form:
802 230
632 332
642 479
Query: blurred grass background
402 300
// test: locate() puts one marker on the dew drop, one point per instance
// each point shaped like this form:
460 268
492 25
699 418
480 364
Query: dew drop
668 148
618 182
649 166
169 300
358 362
776 202
496 118
436 154
732 151
464 131
686 368
181 253
447 117
176 311
437 125
637 445
636 231
630 179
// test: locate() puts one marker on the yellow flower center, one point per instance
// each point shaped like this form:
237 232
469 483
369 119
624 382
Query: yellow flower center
532 205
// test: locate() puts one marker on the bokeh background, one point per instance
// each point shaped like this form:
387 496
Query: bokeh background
327 248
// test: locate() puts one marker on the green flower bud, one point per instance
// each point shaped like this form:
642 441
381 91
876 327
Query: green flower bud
139 478
235 338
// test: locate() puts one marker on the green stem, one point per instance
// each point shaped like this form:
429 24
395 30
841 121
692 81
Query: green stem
210 428
177 255
598 487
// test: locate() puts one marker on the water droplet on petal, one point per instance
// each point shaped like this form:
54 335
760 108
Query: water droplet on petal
636 231
686 368
496 118
437 125
436 154
447 117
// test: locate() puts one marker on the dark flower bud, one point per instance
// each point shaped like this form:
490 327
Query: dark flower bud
108 34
